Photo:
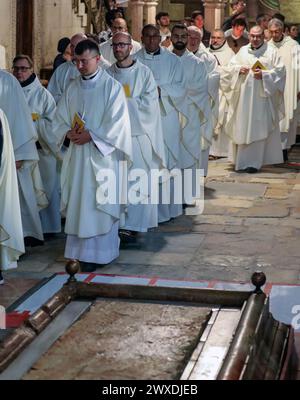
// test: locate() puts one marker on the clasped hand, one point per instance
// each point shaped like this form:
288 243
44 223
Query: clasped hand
79 136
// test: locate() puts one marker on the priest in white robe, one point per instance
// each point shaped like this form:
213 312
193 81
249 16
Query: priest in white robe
146 130
31 191
42 107
213 82
255 80
106 49
289 51
11 234
223 54
93 113
168 74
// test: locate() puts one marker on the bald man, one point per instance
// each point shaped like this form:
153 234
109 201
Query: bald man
254 82
118 25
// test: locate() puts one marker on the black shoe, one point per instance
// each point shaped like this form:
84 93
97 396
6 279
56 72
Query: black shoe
87 267
127 236
251 170
285 155
32 242
1 278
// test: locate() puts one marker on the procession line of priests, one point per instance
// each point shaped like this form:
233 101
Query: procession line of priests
289 51
11 234
168 74
147 137
43 106
91 225
220 141
31 191
255 107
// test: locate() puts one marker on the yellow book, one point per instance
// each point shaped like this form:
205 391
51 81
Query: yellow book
78 122
35 117
258 65
127 90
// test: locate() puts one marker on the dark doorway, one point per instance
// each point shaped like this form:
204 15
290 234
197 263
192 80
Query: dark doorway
25 27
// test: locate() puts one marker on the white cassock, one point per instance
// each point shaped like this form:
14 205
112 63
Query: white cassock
11 234
195 80
168 74
147 139
289 51
42 106
255 107
107 53
212 106
64 75
220 142
91 225
31 190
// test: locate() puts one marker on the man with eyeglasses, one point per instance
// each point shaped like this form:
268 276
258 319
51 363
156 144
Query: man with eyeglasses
146 130
254 81
202 85
289 51
93 114
222 52
11 234
118 25
42 107
31 191
168 74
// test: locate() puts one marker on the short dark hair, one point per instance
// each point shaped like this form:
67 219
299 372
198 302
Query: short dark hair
149 26
196 13
239 22
261 17
279 16
179 26
161 14
87 44
23 57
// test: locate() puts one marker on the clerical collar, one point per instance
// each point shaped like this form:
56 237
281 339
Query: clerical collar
128 66
279 41
257 48
28 81
156 53
217 48
89 77
235 37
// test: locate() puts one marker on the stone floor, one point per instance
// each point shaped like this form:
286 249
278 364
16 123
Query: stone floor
250 222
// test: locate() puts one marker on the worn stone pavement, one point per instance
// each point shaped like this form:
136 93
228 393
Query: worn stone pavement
250 222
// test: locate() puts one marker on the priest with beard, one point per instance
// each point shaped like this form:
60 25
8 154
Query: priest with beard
289 51
146 131
254 81
93 114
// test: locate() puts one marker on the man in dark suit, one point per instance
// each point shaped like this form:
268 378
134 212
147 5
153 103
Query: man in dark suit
198 21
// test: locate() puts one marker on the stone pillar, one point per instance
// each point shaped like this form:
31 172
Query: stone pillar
150 11
137 18
214 13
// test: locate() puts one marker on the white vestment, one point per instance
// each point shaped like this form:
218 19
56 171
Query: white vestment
196 83
107 53
91 213
289 51
11 234
255 107
220 142
168 74
64 75
212 106
42 106
31 190
147 139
